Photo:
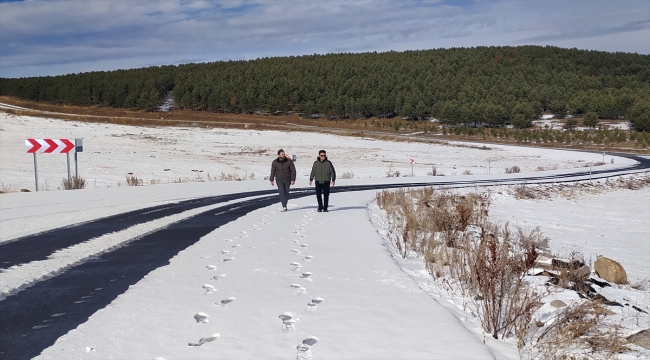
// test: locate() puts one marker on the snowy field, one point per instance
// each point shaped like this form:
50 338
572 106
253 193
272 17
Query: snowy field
270 280
163 154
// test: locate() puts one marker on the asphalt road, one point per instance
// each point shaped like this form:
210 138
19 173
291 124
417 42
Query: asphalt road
34 318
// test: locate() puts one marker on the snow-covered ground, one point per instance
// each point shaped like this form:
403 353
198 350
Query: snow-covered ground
347 287
163 154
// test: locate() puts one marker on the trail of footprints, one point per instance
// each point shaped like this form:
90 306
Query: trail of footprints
289 319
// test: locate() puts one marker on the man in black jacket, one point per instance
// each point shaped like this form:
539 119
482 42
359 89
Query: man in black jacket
284 171
323 172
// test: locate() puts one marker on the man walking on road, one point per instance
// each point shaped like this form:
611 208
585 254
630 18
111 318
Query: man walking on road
284 172
323 172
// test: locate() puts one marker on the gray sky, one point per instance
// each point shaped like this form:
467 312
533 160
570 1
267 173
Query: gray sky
69 36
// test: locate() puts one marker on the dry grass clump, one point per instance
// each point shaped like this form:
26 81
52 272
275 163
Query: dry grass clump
434 172
132 180
347 175
542 168
76 182
583 329
392 172
467 172
5 188
513 170
522 191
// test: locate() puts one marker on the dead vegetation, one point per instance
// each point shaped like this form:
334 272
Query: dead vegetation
6 188
347 175
571 190
583 328
75 182
490 265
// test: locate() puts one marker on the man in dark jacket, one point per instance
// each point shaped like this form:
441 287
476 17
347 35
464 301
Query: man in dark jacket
284 171
323 172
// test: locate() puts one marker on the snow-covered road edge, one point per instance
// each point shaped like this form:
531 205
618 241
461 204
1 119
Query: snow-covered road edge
19 277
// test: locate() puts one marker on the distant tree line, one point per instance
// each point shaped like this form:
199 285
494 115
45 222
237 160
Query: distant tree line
490 85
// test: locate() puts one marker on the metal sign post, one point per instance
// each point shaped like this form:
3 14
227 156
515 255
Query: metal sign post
35 172
590 165
603 157
412 164
67 155
489 162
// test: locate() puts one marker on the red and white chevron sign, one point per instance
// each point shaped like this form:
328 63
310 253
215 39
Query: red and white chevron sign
49 146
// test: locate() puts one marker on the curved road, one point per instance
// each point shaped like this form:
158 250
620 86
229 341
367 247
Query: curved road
22 315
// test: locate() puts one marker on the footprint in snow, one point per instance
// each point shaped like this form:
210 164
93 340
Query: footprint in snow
204 340
219 277
201 318
228 240
303 245
304 348
224 252
228 259
308 258
236 246
314 302
295 266
295 241
300 290
225 302
209 288
303 236
243 232
288 322
306 276
211 267
296 251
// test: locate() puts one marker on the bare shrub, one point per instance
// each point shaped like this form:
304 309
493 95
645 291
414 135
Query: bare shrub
392 172
347 175
498 268
467 172
433 172
229 177
489 264
6 188
513 170
535 237
580 327
76 182
132 180
540 168
523 192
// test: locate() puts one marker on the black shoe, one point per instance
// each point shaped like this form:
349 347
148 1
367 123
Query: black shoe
319 210
325 210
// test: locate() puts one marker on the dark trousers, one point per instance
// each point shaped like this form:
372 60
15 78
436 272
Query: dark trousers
323 189
283 188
